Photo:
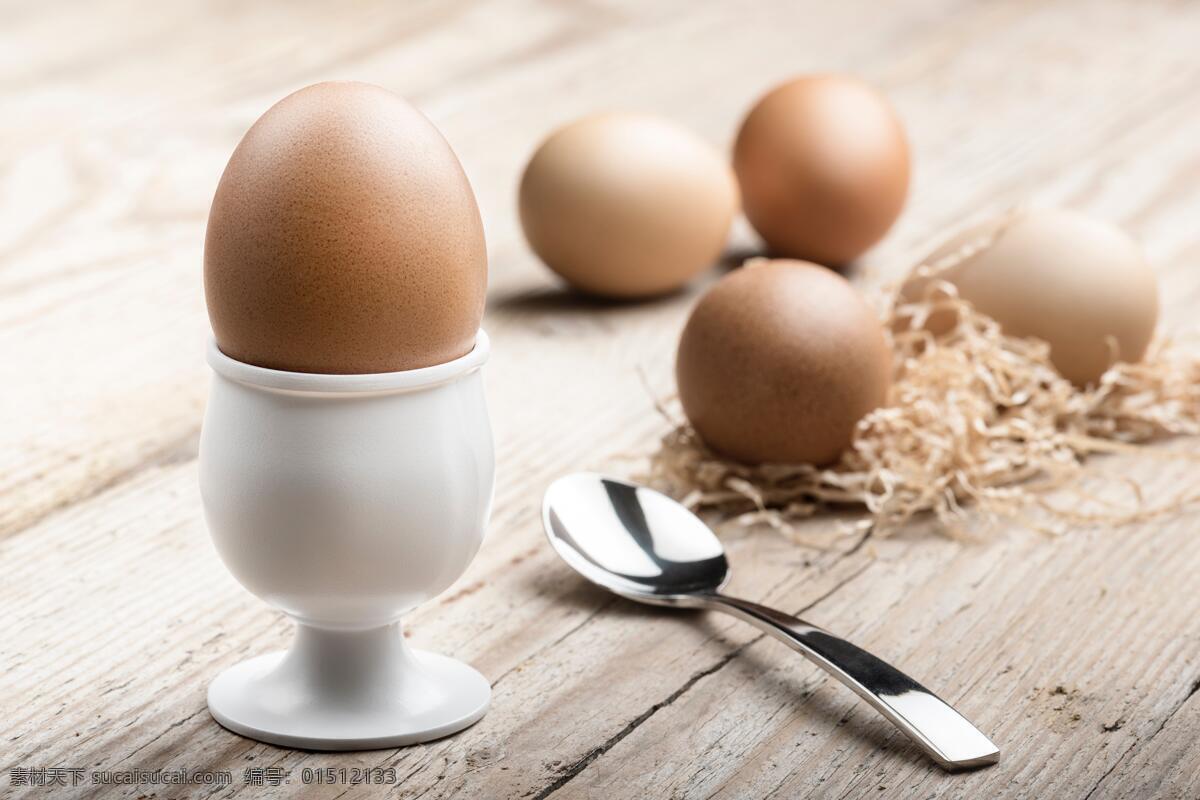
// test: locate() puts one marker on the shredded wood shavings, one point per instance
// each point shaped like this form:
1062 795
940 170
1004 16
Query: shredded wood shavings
978 427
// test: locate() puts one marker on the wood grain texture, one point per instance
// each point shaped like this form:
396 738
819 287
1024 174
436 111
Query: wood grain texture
1077 654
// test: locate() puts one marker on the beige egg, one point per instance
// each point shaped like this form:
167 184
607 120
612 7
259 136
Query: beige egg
823 164
1077 283
344 238
627 205
778 363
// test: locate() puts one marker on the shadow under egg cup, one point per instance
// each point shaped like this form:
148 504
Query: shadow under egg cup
345 501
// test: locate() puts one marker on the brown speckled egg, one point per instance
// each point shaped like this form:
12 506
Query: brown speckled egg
344 238
778 363
627 205
823 165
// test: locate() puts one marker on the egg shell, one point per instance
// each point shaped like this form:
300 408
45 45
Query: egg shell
344 238
823 164
627 205
778 363
1077 283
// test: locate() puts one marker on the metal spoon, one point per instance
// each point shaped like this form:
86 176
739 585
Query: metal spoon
646 547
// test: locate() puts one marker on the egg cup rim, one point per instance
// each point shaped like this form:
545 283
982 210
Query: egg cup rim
343 383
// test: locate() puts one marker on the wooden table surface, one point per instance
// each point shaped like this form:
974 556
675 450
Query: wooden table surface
1078 654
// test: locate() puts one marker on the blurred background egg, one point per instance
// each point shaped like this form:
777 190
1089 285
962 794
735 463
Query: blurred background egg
344 238
823 164
778 363
627 205
1077 283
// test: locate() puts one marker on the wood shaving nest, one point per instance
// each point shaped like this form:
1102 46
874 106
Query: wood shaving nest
975 419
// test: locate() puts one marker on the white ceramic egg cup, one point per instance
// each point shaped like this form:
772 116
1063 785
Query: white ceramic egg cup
345 501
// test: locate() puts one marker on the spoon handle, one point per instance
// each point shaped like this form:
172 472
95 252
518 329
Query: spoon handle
944 734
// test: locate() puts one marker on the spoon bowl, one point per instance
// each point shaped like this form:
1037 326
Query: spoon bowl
659 555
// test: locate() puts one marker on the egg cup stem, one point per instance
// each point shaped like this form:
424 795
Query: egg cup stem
348 690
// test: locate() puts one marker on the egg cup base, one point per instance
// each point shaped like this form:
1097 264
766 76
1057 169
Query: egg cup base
337 690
